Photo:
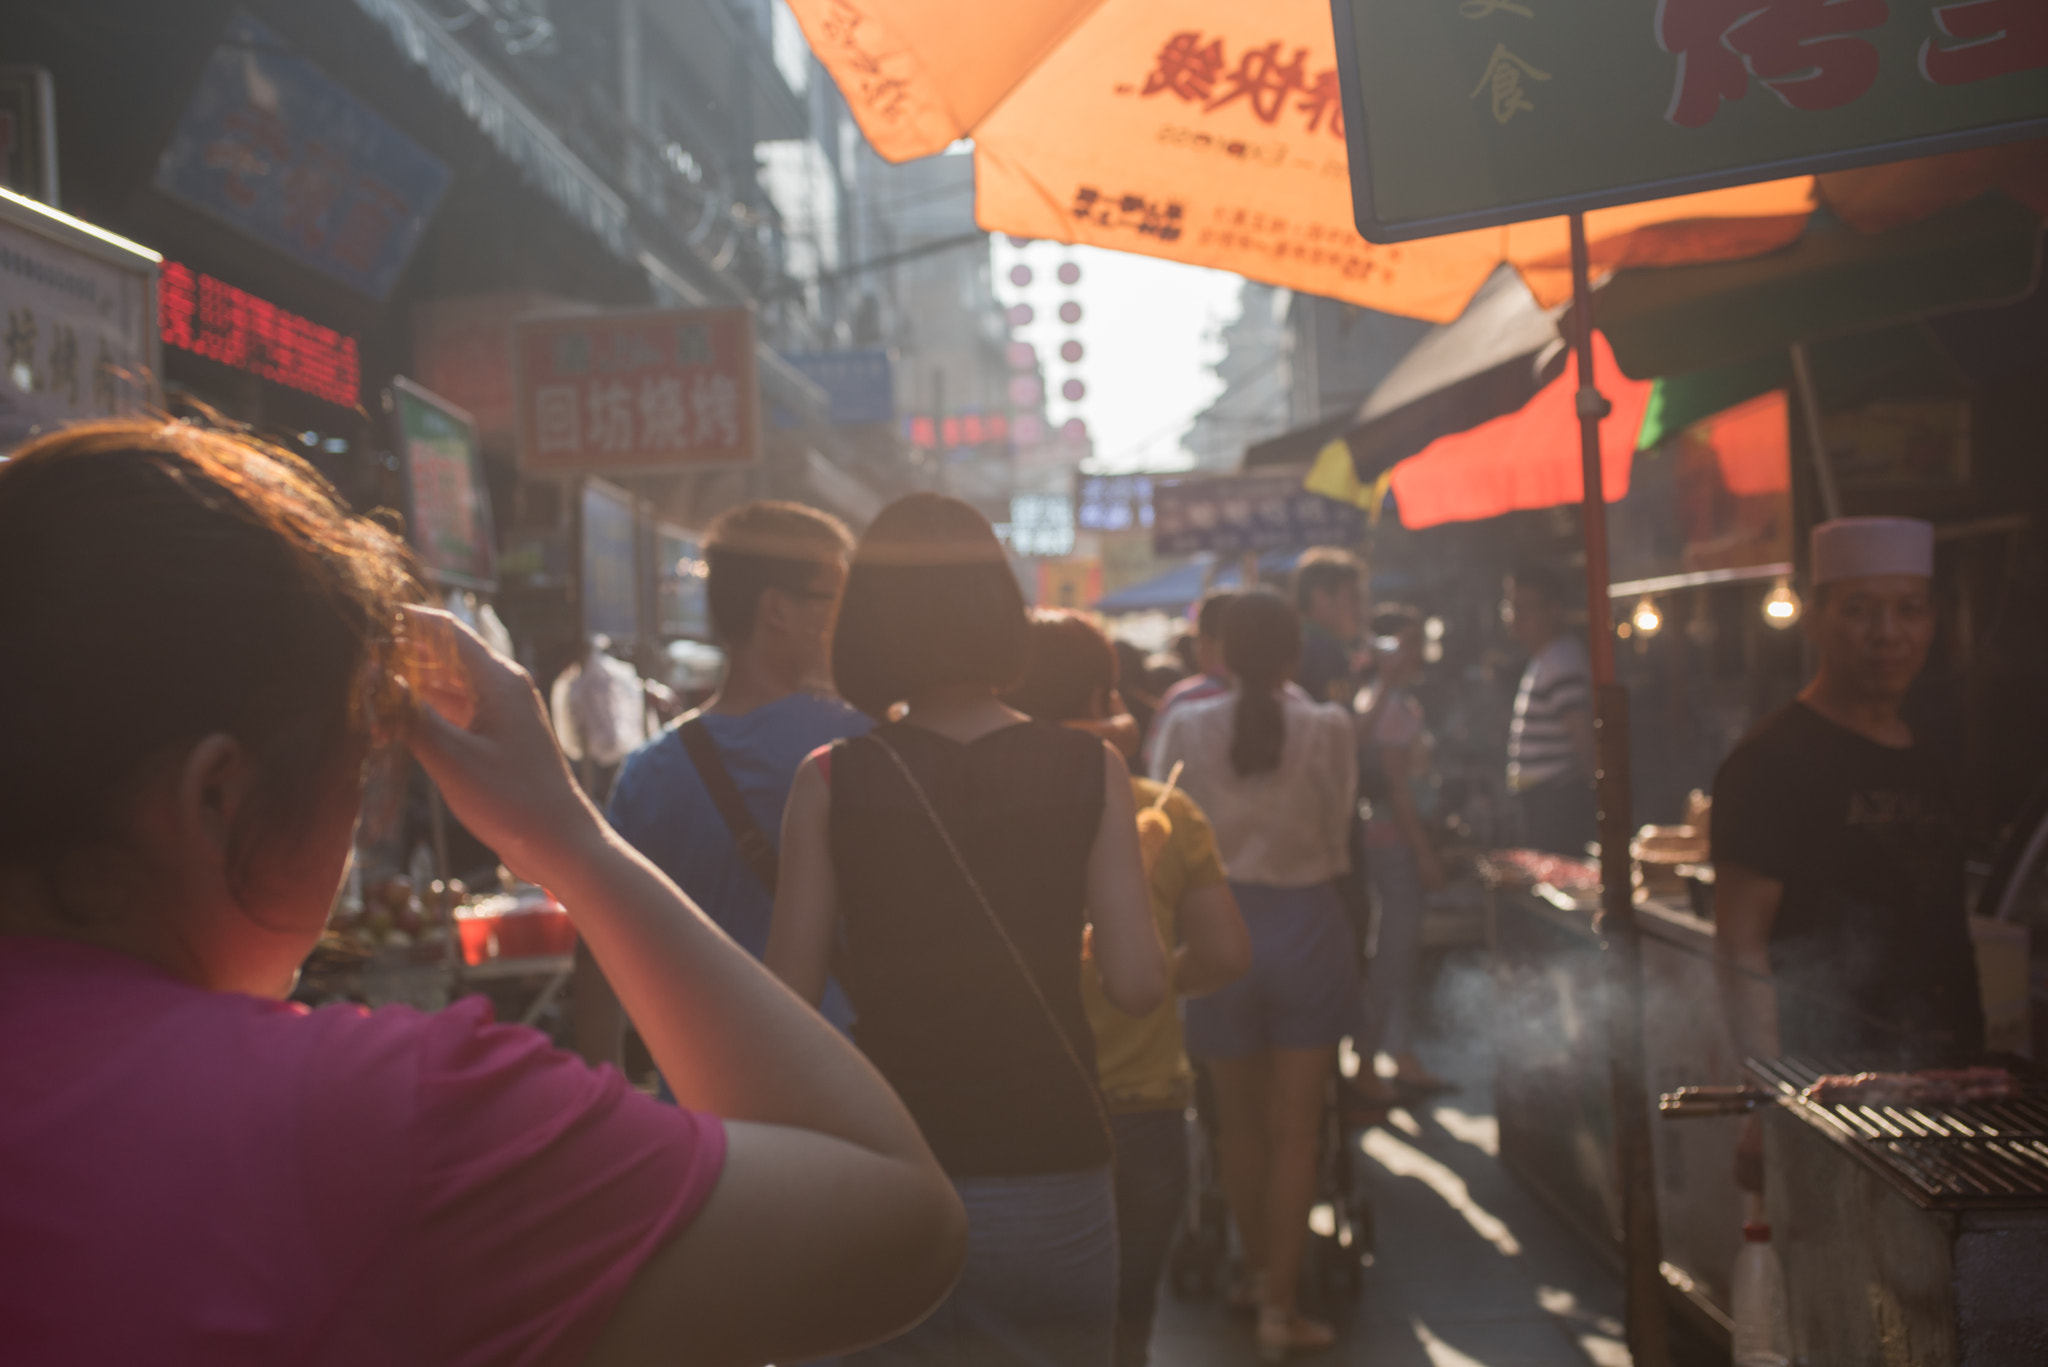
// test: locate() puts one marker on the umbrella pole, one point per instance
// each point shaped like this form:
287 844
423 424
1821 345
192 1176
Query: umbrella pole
1641 1244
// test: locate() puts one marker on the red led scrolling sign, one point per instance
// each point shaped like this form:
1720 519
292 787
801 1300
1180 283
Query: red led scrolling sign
212 318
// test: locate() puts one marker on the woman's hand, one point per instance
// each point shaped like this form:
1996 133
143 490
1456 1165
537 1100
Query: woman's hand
503 775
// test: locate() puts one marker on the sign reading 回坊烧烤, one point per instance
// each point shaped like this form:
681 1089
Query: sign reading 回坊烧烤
1237 514
269 145
636 392
1466 113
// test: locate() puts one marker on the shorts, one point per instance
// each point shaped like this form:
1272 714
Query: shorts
1302 991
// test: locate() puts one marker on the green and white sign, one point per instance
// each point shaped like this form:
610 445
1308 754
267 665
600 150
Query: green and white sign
448 505
1470 113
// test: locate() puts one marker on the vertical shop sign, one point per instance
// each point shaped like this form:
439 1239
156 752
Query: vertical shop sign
636 393
448 510
273 148
77 321
610 583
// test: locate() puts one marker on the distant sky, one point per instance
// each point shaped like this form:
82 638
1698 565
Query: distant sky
1148 329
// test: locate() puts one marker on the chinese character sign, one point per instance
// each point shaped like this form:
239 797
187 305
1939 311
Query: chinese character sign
1237 514
1113 503
1487 111
636 392
449 511
269 145
76 330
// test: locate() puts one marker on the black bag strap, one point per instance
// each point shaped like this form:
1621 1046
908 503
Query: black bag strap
756 851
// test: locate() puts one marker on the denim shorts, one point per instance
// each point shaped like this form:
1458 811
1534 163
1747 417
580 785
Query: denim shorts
1302 992
1040 1285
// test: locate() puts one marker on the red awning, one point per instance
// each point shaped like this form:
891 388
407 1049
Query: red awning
1528 459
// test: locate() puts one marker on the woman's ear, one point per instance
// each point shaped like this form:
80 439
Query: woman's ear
214 785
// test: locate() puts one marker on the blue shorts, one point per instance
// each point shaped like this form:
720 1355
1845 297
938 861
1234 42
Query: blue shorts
1302 992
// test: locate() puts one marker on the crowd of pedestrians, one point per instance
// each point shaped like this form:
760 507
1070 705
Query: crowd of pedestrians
909 943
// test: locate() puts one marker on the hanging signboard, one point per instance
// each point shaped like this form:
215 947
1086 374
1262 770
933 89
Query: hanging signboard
637 392
448 507
1113 503
610 580
1238 514
860 384
77 321
1469 113
271 147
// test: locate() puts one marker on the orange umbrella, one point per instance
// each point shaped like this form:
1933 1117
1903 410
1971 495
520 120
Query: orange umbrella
1210 132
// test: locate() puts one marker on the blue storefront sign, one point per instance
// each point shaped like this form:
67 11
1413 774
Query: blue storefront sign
861 384
272 147
1238 514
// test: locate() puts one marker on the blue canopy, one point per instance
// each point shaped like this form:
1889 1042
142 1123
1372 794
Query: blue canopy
1178 589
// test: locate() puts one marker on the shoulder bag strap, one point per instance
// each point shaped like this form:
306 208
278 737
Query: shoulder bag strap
1052 1020
755 849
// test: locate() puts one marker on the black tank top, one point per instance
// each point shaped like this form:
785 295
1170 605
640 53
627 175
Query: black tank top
941 1009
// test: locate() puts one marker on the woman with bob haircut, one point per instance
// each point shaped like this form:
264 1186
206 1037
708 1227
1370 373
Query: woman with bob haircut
198 1171
1277 774
944 868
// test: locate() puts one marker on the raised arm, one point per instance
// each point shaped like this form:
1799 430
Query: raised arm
831 1225
1134 975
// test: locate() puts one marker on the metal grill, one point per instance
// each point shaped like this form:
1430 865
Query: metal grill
1986 1155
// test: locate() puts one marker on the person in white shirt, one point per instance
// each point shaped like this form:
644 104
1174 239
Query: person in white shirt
1277 774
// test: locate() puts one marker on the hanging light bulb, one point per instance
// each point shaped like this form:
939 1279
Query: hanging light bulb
1646 618
1781 605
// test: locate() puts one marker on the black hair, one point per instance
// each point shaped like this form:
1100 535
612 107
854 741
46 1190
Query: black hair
1324 569
1070 662
760 546
1262 645
1543 581
930 600
1209 617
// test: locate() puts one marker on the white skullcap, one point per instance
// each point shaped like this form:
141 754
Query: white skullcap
1859 547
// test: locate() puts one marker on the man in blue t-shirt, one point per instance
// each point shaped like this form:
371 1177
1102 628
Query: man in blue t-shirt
775 571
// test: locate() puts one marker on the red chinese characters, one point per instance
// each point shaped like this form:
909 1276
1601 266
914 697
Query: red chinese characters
1982 39
1805 51
211 318
1197 70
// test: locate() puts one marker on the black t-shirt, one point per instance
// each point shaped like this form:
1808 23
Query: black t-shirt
941 1009
1871 947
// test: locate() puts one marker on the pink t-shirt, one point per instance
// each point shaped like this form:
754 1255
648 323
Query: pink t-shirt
208 1178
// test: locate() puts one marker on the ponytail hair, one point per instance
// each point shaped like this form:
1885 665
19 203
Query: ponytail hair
1261 646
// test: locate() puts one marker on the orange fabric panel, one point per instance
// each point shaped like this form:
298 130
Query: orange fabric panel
1753 444
1527 459
1209 132
1871 199
920 74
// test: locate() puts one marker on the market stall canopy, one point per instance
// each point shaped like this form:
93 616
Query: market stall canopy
1209 132
1182 586
1490 362
1528 459
1831 282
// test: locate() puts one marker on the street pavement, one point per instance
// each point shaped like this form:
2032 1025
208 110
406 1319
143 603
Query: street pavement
1470 1270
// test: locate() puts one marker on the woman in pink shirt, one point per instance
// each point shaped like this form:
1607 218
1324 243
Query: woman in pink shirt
197 1171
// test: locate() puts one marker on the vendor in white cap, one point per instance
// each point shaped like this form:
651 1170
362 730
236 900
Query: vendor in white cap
1838 855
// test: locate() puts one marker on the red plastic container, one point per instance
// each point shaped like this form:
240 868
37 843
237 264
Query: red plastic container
532 926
